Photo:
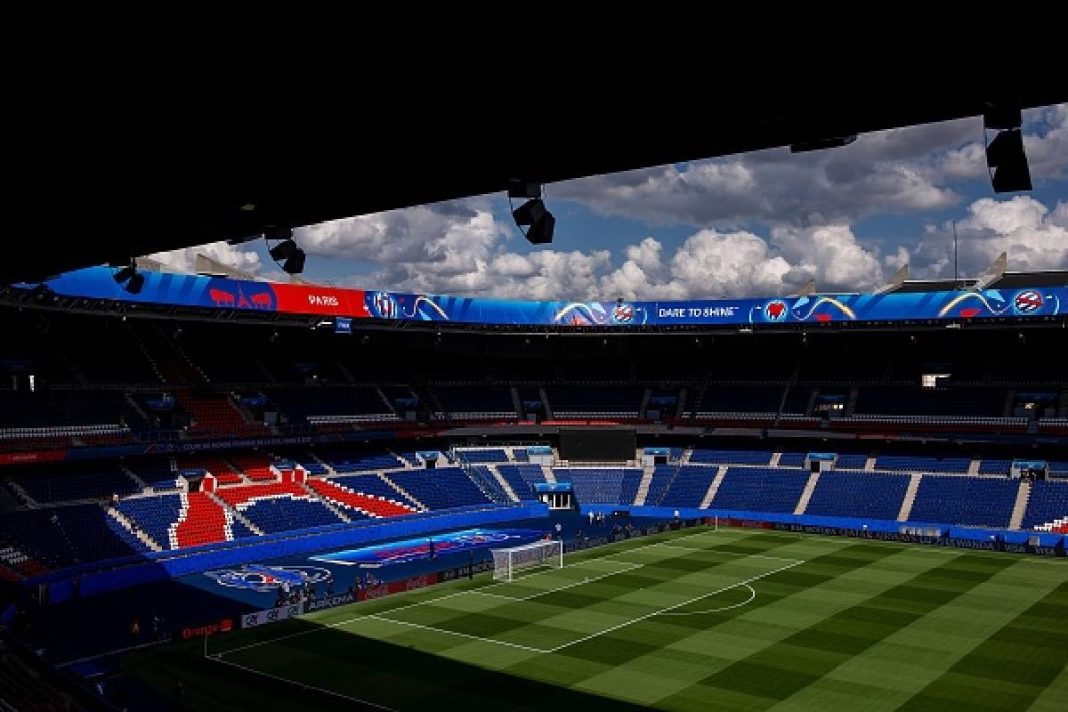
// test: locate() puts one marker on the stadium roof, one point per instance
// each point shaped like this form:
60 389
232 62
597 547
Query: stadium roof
121 166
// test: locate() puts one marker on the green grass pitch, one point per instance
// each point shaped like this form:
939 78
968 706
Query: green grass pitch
690 620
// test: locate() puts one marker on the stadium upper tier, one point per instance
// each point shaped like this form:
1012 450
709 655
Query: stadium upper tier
1046 297
185 380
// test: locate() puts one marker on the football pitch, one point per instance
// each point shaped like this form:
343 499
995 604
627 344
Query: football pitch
689 620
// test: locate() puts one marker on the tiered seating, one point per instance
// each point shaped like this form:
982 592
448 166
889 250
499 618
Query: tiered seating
43 409
601 484
19 563
288 513
914 400
913 463
731 457
990 466
155 516
202 521
522 478
689 487
156 473
257 467
476 401
738 399
1048 507
63 536
213 413
760 489
594 400
326 404
851 461
482 455
976 501
372 486
792 459
489 485
632 479
346 460
304 459
346 493
440 488
658 485
224 473
851 494
63 483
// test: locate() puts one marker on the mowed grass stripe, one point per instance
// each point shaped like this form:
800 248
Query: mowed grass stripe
559 618
1011 668
634 649
787 602
777 672
891 671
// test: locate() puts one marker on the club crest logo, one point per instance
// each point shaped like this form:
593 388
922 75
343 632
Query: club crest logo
623 313
1028 302
268 578
384 306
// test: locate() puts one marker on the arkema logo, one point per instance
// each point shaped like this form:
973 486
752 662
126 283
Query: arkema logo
323 300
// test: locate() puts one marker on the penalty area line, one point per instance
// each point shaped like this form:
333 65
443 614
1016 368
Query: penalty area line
297 683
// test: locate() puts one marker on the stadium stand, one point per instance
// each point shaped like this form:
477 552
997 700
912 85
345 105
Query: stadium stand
1047 509
852 494
760 489
975 501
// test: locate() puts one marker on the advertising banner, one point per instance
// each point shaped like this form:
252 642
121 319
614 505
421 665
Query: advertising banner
271 615
242 295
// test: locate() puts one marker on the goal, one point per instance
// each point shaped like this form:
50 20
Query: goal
540 553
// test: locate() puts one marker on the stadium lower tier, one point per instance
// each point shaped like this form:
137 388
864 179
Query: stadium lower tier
111 512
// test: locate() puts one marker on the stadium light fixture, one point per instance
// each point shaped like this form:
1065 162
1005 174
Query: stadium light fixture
130 279
285 252
539 221
1005 156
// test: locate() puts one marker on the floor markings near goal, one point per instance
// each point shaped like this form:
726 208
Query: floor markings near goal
349 621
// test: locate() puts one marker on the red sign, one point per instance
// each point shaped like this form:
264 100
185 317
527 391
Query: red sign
19 458
410 584
224 626
328 301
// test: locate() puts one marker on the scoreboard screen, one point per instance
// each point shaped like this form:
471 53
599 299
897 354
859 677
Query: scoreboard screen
597 445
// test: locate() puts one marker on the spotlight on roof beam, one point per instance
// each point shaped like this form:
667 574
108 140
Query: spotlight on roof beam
125 274
541 221
130 279
1008 163
821 143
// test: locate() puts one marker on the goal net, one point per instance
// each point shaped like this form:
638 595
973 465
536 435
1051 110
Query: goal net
540 553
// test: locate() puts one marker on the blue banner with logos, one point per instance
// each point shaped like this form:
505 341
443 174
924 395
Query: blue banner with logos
357 304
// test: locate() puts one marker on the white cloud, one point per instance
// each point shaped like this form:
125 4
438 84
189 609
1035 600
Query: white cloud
715 264
184 260
900 171
1033 237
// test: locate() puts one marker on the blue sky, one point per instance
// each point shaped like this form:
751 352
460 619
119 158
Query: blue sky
758 223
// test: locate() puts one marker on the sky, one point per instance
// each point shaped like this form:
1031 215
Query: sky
755 224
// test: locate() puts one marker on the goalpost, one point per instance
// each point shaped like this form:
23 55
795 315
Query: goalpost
540 553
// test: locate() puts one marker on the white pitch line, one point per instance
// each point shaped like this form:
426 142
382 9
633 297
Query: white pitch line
453 632
746 602
288 636
671 608
717 551
305 685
